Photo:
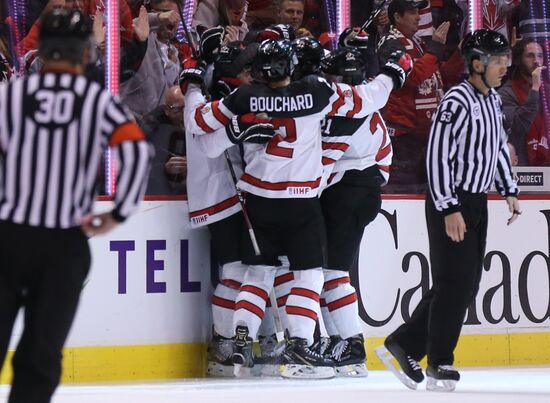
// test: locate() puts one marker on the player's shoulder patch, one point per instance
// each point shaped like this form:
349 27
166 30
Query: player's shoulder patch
348 93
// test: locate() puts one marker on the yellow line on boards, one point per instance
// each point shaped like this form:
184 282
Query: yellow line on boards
172 361
128 363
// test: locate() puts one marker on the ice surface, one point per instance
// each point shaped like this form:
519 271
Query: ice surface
498 385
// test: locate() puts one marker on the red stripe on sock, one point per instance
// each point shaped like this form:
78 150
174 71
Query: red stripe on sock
284 278
255 290
281 301
329 285
250 307
339 303
304 292
296 310
223 303
231 284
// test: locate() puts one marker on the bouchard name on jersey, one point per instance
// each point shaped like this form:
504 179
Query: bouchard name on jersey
290 165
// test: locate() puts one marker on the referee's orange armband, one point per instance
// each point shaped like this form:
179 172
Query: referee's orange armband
126 132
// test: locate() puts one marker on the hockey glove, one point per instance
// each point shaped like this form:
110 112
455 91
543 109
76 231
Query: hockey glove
211 42
277 32
398 66
193 71
221 89
354 37
249 128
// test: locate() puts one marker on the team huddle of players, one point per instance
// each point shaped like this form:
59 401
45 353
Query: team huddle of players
292 133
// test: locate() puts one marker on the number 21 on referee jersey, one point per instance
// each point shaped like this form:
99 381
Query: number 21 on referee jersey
286 131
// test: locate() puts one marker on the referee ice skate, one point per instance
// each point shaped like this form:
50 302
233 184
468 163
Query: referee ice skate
467 152
54 127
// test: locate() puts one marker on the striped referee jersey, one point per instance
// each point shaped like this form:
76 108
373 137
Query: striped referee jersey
467 148
54 128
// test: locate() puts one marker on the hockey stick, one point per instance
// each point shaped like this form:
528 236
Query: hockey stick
186 32
279 330
272 298
241 202
369 20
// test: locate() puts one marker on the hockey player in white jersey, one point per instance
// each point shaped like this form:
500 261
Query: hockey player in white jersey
356 155
282 181
213 202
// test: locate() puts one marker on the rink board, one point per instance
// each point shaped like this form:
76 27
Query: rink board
145 312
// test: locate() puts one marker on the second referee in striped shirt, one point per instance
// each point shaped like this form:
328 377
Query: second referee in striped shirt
467 153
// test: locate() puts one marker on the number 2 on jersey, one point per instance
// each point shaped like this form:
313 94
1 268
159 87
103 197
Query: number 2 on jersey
286 131
376 122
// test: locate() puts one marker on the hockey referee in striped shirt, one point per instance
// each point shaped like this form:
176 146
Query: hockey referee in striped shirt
54 127
467 153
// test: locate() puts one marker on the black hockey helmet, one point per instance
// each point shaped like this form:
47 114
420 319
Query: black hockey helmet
348 62
482 44
64 34
309 53
233 58
275 60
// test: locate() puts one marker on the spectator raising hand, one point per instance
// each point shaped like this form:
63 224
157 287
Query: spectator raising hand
141 25
440 33
99 30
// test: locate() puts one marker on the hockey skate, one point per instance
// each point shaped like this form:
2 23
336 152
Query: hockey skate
220 350
242 358
324 345
303 362
269 361
442 379
349 357
409 371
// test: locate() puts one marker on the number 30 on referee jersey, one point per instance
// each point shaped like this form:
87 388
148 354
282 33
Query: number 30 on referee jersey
56 107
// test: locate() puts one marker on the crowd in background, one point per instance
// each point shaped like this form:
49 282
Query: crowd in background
153 50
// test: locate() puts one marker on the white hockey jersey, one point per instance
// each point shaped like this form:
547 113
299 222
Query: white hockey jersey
289 166
355 144
211 192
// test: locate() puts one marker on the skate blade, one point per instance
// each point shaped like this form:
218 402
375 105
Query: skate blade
440 385
306 372
386 357
243 372
352 371
270 370
215 369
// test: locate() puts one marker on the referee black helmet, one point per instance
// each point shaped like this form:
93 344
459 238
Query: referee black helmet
275 60
482 44
64 36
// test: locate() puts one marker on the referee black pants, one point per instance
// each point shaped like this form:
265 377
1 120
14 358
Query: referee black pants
456 268
41 270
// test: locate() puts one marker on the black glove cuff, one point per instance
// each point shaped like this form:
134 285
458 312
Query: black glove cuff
395 76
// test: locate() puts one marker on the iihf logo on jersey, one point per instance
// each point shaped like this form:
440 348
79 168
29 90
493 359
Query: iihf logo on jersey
477 111
298 190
